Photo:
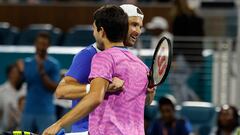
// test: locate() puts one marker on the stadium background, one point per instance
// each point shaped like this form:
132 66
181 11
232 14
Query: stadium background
216 81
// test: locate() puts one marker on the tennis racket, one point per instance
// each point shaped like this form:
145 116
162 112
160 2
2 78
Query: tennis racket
17 133
161 62
61 132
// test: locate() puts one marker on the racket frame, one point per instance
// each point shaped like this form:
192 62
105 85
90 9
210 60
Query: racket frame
170 55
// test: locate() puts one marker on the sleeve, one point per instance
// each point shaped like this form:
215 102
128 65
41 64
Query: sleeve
80 67
102 66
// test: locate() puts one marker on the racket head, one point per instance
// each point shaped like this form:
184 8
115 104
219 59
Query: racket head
162 53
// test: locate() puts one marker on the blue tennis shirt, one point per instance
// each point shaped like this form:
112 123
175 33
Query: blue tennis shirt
80 70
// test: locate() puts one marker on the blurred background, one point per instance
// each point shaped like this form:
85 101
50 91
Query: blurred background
205 69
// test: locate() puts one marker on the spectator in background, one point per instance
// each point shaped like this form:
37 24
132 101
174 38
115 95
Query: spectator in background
186 23
168 123
178 78
41 73
227 122
9 94
158 28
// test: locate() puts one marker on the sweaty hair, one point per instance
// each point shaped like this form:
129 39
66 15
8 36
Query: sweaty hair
113 20
44 35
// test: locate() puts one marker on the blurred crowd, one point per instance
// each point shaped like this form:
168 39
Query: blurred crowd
170 120
27 96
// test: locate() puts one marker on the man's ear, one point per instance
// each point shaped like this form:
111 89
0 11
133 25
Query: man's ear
102 32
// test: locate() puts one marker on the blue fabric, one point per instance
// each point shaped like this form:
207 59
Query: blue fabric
181 127
39 99
80 70
36 123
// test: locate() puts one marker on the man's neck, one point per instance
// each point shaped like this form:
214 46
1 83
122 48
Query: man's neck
112 44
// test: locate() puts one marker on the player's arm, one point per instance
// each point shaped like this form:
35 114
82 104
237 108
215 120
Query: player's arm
150 96
83 108
101 75
70 88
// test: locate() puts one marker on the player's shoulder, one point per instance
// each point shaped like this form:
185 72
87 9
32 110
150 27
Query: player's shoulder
88 51
89 48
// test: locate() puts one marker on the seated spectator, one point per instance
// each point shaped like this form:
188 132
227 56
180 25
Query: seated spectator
9 93
168 123
227 122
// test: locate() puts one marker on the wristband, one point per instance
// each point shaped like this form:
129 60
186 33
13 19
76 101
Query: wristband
87 88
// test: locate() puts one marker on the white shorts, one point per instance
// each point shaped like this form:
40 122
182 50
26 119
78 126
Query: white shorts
77 133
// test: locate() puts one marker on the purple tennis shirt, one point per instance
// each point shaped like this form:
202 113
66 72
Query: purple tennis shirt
121 113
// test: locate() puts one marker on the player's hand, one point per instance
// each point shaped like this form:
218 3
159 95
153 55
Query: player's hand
150 95
116 85
151 90
52 130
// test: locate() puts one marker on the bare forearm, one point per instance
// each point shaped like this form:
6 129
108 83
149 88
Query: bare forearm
71 91
86 106
149 98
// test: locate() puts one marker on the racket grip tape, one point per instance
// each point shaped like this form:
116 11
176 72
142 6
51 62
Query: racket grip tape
150 81
21 133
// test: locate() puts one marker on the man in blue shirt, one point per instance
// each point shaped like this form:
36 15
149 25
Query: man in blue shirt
41 74
73 85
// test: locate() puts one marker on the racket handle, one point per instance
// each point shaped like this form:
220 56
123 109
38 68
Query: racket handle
150 81
61 132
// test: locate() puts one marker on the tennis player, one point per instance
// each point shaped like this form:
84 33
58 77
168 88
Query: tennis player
120 112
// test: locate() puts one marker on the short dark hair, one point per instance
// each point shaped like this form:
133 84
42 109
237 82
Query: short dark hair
165 101
114 22
44 35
